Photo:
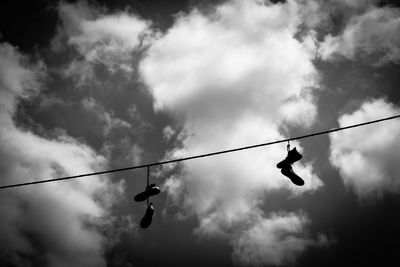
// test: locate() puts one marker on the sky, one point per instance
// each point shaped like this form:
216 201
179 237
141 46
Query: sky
87 86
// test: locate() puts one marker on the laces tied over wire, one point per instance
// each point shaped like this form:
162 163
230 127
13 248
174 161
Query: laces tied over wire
148 182
288 146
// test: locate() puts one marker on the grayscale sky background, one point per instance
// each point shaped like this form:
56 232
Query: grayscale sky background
87 86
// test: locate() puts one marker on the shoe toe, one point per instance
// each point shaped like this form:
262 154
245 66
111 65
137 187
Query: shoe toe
293 177
154 191
297 181
145 223
140 197
147 218
282 164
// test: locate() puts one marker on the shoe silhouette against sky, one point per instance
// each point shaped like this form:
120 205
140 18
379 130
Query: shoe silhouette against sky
292 157
286 166
288 172
151 190
148 216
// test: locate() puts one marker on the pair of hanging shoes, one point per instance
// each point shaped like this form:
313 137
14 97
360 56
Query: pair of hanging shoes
151 190
286 167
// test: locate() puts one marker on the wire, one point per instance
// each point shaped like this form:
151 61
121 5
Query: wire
147 183
197 156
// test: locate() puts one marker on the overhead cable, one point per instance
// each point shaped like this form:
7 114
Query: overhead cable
196 156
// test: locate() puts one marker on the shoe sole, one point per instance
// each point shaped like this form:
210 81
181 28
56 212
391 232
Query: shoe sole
293 177
144 195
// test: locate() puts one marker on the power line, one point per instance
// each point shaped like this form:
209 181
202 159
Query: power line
197 156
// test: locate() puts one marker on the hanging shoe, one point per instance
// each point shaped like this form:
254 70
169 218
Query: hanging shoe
148 216
151 190
292 157
287 170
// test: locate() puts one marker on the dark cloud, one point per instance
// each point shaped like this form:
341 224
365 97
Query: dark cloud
25 24
46 223
371 36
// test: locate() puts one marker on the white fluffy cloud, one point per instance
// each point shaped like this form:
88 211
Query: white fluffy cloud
231 78
53 223
373 35
275 240
109 39
367 157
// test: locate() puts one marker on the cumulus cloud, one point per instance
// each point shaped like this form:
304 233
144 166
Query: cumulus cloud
231 77
275 240
303 104
51 224
367 158
109 39
372 36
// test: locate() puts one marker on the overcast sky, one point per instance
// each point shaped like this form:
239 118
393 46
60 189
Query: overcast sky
87 86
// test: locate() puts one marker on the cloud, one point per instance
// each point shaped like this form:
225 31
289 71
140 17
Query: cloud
367 157
304 105
373 36
107 118
108 39
82 72
168 133
330 15
231 77
51 224
275 240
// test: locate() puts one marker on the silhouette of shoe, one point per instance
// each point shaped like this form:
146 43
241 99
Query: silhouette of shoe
151 190
287 170
148 216
292 157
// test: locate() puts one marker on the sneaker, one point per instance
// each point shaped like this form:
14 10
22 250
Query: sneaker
292 157
288 172
151 190
148 216
283 163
